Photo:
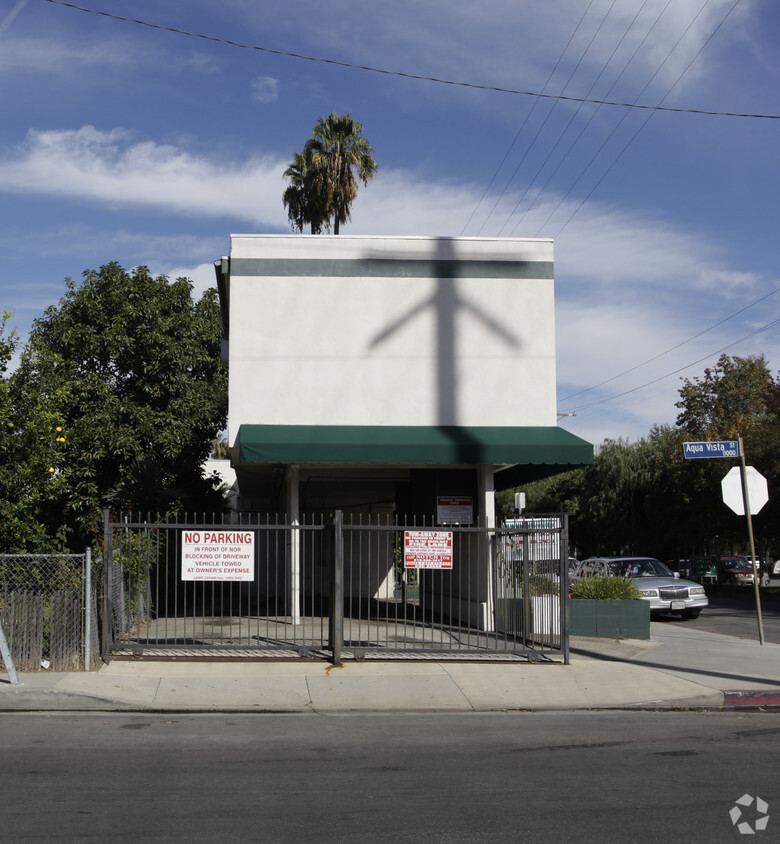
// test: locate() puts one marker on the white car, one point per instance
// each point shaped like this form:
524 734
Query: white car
665 591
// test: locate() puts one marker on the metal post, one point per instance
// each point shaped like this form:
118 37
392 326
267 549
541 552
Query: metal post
746 500
293 502
8 659
526 588
337 588
563 580
88 610
107 622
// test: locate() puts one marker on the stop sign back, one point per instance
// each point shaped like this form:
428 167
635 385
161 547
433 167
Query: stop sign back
757 490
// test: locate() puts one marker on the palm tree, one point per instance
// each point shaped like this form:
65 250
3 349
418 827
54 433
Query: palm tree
307 197
338 145
324 177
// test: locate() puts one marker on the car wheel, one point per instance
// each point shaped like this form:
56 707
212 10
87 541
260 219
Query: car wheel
691 614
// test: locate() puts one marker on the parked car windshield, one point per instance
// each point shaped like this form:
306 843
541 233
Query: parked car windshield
640 568
736 564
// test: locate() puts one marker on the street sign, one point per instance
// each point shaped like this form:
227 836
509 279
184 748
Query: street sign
757 490
724 448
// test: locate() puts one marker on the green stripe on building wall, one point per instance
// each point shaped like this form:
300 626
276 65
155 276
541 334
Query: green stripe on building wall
388 268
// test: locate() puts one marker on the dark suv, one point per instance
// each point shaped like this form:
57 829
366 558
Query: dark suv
735 570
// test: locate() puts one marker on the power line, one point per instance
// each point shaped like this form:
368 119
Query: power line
418 77
672 349
587 124
676 371
549 114
630 141
520 131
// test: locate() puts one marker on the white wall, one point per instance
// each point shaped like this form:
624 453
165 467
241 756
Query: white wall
390 350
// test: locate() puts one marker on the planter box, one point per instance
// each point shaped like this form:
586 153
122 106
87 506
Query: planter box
609 619
545 616
509 616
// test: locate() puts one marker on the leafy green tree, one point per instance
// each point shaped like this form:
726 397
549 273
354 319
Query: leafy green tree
614 503
324 177
738 397
220 449
547 495
764 444
630 501
8 345
129 366
731 399
683 499
644 498
31 444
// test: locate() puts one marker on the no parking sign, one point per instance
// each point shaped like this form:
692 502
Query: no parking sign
217 555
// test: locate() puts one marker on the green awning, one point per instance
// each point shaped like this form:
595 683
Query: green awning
357 444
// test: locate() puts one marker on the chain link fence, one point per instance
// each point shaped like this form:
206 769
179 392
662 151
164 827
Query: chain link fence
48 610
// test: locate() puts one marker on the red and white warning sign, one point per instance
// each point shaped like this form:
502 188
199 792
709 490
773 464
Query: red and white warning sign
454 509
428 549
218 555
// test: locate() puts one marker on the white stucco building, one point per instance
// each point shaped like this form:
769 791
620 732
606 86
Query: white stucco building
379 374
390 378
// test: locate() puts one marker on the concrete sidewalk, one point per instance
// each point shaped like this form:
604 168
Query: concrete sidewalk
678 668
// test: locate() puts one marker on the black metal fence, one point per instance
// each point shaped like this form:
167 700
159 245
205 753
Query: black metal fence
335 589
48 607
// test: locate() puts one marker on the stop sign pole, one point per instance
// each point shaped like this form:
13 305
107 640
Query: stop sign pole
749 517
734 448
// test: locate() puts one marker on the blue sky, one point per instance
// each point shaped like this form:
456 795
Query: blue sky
125 142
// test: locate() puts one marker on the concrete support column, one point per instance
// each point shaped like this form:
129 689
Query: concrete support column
487 508
294 547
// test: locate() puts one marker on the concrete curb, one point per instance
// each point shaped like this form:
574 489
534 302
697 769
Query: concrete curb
757 698
39 700
21 699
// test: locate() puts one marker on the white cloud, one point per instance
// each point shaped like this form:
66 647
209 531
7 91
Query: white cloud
630 254
111 168
639 250
117 169
47 55
197 63
265 89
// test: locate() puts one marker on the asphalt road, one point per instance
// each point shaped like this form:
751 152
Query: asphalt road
736 617
479 777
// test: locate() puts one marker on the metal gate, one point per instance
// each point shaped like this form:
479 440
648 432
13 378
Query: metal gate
335 589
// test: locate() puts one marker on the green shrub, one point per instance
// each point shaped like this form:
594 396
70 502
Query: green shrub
541 584
605 587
